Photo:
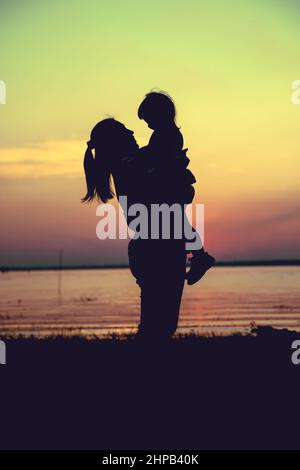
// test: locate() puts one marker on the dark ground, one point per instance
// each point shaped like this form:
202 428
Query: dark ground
238 392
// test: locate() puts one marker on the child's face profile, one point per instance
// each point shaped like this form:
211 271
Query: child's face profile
151 123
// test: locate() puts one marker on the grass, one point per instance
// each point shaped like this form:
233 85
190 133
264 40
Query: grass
192 392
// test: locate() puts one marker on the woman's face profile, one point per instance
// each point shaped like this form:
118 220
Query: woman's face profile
126 141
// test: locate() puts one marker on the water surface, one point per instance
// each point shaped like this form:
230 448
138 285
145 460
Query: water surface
95 302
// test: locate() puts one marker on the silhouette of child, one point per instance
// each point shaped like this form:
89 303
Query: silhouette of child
165 153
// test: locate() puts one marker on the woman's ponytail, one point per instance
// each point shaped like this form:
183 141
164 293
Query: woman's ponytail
97 175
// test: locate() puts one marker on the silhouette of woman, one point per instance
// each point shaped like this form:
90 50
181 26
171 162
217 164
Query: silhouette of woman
159 266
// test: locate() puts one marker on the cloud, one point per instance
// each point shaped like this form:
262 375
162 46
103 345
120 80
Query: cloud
21 162
43 160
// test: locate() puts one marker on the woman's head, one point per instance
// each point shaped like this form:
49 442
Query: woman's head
111 140
157 109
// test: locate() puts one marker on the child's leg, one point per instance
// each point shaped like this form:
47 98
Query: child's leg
201 261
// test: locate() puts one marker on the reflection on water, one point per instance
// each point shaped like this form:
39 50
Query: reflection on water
95 302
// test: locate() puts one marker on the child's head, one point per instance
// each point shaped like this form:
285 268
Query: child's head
157 109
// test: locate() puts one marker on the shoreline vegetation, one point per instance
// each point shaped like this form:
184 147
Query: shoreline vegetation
240 263
191 392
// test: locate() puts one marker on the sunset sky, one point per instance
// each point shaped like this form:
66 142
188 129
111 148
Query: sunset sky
229 65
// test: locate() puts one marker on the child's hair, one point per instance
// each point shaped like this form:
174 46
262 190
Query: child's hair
157 104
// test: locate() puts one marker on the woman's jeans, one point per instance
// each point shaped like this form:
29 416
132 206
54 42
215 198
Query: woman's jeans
159 267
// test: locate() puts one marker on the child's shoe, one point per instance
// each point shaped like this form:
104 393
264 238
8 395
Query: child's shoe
200 263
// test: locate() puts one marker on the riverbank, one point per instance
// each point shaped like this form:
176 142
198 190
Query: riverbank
190 393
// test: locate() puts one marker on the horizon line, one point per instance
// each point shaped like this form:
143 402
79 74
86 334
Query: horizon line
230 263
